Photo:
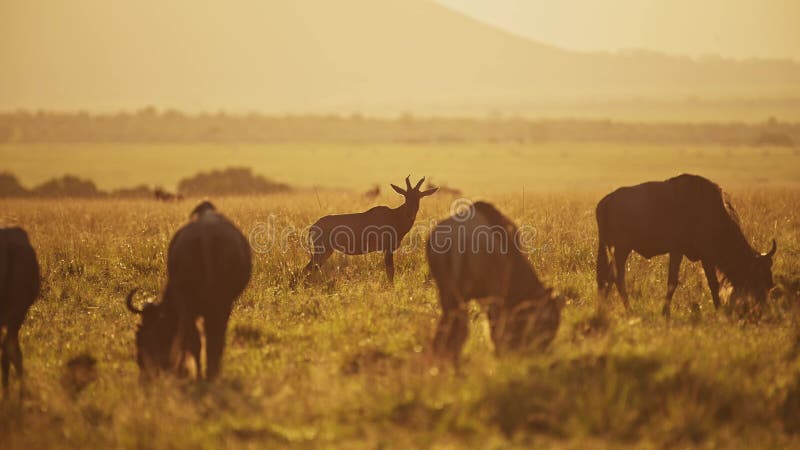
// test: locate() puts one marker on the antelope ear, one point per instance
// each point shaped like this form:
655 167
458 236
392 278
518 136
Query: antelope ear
428 192
398 189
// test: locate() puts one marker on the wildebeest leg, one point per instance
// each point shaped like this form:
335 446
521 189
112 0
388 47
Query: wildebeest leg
12 354
672 281
389 260
604 279
5 360
215 327
451 332
497 325
620 258
193 346
713 282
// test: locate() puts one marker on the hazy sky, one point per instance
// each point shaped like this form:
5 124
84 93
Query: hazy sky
733 28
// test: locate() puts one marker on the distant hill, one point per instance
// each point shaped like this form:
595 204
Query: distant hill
300 56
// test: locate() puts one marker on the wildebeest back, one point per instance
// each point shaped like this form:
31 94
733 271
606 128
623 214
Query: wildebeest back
19 276
209 258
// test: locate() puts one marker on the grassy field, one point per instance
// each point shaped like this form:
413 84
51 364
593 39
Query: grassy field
345 363
474 168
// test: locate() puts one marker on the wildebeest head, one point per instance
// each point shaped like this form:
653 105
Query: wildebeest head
759 281
531 324
154 336
413 194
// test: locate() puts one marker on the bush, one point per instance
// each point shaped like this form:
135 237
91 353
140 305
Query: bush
67 186
231 181
10 187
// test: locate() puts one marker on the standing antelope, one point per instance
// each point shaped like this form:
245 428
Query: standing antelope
380 229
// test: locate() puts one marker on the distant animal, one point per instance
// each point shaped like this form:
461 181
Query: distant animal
208 267
19 288
80 371
477 254
687 215
374 192
446 190
380 229
164 196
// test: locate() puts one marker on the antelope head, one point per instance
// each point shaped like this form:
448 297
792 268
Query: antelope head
413 194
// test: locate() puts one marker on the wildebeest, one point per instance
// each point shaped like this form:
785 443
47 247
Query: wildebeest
208 267
19 287
687 215
477 254
380 229
374 192
162 195
446 190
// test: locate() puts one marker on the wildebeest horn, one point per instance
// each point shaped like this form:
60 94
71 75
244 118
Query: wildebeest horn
129 302
771 251
419 183
408 183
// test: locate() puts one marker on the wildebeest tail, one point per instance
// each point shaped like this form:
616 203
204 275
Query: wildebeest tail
4 263
206 248
604 271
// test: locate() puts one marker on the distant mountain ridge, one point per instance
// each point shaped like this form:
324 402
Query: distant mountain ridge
308 56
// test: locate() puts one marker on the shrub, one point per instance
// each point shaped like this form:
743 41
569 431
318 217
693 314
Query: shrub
10 187
67 186
231 181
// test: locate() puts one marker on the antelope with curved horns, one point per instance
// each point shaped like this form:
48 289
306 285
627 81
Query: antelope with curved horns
380 229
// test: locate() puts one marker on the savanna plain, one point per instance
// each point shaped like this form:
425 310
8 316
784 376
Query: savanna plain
346 362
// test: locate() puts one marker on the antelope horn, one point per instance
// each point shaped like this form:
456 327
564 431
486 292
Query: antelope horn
408 183
771 252
419 183
129 302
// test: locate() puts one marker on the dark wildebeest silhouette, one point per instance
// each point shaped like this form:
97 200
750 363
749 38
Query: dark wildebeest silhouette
19 287
380 229
446 190
208 267
374 192
687 215
477 254
164 196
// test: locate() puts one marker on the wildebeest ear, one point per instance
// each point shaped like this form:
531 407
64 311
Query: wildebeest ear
398 189
428 192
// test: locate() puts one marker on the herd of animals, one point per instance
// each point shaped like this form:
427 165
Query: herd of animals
209 266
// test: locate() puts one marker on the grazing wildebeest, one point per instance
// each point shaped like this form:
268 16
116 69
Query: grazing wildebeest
208 267
164 196
380 229
477 254
687 215
374 192
19 287
446 190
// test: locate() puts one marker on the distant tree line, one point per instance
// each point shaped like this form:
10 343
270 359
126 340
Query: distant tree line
170 126
231 181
